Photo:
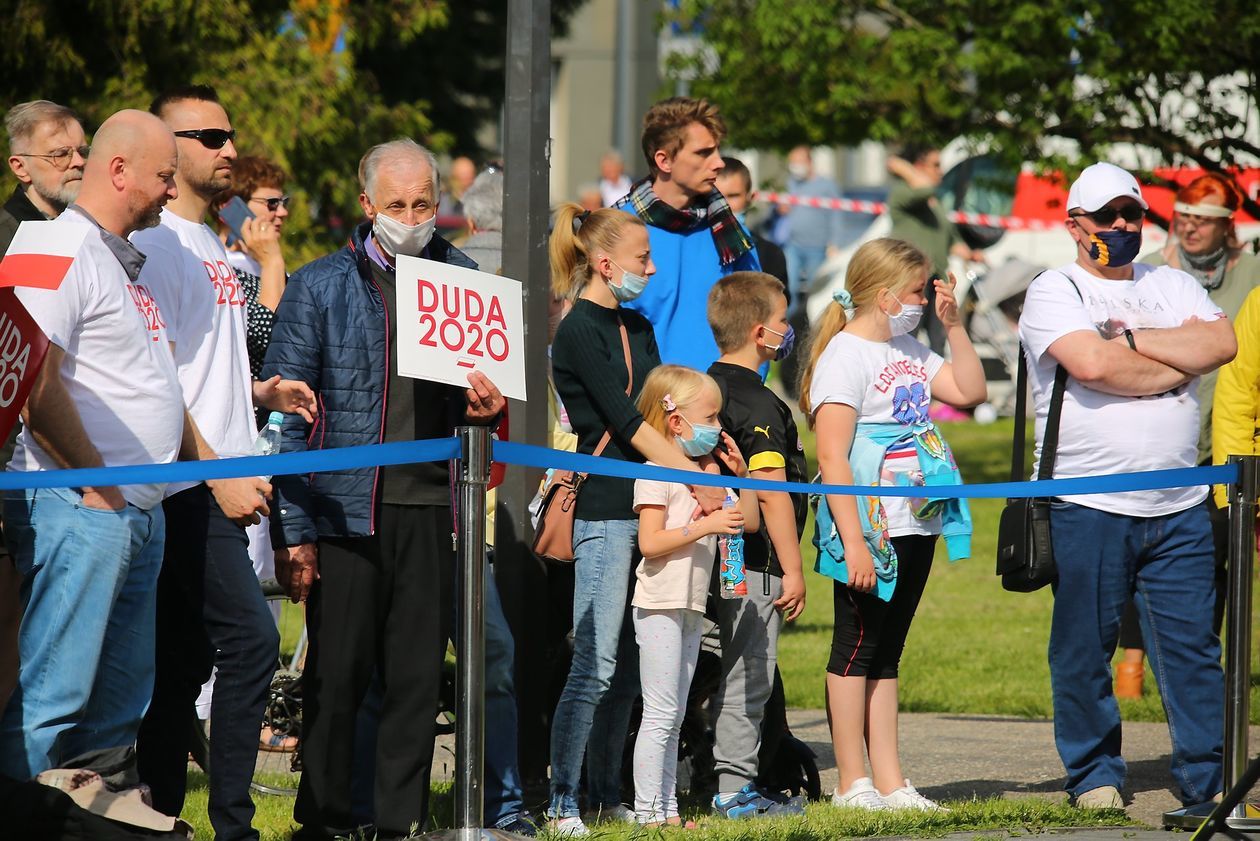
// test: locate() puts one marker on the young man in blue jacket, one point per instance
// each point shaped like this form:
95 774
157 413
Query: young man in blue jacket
694 234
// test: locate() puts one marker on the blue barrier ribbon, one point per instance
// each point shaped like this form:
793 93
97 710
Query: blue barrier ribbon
526 455
312 461
511 452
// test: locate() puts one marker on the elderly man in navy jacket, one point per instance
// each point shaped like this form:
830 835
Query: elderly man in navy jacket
371 550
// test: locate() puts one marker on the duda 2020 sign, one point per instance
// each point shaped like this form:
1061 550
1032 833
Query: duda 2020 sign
453 321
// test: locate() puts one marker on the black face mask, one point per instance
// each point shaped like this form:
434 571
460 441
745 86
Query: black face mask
1115 248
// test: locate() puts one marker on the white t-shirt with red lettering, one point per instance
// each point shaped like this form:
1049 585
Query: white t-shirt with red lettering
1099 433
188 273
886 382
117 368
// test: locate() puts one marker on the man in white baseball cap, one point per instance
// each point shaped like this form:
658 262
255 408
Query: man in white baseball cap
1134 340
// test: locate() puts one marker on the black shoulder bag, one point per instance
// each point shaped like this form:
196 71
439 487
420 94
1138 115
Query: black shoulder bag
1025 554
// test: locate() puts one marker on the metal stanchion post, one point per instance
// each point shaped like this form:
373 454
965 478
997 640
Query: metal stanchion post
472 477
1242 559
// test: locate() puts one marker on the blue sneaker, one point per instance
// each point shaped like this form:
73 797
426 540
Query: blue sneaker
749 803
789 805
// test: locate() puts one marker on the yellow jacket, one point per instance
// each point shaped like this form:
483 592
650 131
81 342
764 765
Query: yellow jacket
1236 402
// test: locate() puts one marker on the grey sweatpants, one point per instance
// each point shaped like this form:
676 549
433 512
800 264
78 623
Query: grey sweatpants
749 630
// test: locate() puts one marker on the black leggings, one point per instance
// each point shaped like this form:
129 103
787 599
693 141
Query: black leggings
869 633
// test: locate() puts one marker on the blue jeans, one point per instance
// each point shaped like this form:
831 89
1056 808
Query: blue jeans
802 262
501 791
89 590
1164 563
594 710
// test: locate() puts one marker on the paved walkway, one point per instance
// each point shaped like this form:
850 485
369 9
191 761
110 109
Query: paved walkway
963 756
952 757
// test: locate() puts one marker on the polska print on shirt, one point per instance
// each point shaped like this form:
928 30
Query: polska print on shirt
147 306
1113 314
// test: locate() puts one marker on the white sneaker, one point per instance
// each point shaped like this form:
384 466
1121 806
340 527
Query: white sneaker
607 814
569 827
861 795
907 797
1103 797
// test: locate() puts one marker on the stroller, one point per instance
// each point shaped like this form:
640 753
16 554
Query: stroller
991 310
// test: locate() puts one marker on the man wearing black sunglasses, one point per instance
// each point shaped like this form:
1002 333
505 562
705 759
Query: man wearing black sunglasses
1134 340
211 612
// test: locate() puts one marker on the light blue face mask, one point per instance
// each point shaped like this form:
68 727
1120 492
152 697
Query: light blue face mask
631 286
703 438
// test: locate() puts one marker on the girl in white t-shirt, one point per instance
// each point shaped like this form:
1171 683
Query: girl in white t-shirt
866 391
673 577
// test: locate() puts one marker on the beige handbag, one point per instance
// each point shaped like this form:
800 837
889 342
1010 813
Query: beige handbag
553 537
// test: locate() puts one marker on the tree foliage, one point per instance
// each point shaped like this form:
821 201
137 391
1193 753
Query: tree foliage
310 84
1017 76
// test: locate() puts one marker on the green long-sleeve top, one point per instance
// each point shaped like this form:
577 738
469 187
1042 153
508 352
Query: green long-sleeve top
589 369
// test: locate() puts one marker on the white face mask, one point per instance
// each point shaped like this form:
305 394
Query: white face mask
798 171
396 238
906 320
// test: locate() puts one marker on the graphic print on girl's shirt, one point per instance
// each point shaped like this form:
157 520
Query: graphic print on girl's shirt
885 382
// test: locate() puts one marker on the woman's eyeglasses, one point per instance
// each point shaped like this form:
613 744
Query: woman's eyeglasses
211 138
1106 216
60 157
274 203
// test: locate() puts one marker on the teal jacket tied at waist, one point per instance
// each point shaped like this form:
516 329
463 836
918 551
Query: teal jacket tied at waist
871 442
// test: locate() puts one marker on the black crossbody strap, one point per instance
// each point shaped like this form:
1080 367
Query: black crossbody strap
1050 441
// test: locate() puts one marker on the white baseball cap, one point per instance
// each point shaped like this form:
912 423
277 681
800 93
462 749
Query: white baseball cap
1099 184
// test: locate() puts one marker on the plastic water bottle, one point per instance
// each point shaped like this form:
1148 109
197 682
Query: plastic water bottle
731 555
268 441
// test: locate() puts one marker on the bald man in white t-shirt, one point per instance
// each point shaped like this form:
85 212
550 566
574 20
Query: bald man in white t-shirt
107 395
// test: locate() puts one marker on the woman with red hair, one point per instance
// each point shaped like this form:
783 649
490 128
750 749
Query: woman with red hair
1205 245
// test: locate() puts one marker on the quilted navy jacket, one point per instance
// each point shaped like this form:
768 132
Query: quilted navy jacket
330 332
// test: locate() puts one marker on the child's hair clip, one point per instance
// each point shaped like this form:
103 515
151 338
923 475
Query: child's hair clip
667 403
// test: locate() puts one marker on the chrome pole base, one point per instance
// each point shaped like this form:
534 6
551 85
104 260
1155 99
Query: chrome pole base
472 834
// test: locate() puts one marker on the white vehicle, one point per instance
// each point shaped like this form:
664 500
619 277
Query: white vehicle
993 290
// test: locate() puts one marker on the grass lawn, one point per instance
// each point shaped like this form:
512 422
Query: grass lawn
822 821
974 648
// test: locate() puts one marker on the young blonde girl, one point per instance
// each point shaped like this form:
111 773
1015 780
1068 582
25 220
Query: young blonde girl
866 391
673 577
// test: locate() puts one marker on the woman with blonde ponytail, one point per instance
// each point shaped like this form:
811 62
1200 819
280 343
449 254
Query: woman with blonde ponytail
600 260
866 392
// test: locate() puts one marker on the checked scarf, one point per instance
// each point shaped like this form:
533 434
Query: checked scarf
710 212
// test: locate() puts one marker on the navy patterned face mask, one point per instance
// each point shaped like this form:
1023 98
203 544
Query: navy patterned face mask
1115 248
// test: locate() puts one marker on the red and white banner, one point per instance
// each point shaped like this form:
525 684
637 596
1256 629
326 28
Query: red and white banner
23 347
876 208
41 254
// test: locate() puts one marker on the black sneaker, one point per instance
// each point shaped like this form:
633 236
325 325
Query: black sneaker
520 825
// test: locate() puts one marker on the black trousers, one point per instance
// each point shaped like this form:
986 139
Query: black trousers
210 612
382 604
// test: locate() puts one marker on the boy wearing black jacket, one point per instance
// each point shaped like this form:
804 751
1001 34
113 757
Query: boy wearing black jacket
748 314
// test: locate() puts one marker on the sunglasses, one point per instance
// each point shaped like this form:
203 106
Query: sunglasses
1106 216
211 138
275 203
60 157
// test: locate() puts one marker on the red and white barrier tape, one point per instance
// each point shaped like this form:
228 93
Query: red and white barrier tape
876 208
